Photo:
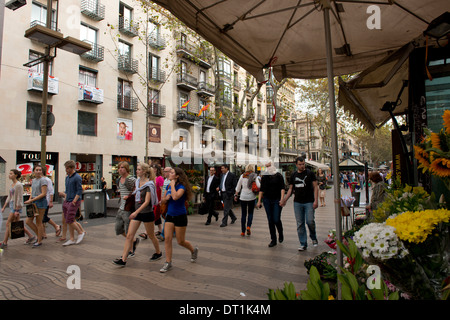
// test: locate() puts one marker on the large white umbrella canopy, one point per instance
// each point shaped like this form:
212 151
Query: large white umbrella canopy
308 39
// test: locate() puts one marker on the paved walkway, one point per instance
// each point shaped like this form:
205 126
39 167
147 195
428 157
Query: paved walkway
229 266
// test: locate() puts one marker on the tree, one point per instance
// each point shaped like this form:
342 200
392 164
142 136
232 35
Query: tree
378 143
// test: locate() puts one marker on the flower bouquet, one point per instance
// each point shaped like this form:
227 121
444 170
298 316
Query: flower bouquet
381 246
426 235
346 203
433 151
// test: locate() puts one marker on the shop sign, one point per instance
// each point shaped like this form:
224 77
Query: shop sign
85 166
90 94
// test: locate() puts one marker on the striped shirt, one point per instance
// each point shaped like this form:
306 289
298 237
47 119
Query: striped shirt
125 189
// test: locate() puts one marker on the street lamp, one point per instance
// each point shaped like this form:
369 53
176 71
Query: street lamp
52 39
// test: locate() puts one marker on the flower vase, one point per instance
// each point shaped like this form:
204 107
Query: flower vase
434 255
408 276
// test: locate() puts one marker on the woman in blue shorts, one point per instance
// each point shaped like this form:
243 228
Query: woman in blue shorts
178 191
39 198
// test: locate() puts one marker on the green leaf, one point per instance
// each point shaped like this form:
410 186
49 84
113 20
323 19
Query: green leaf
346 293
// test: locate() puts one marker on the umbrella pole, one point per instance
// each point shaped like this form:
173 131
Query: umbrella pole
334 142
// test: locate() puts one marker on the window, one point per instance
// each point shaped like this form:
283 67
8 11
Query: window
88 33
34 111
183 40
87 77
154 31
183 139
126 13
270 111
224 67
154 95
202 104
183 68
124 49
202 77
124 92
154 67
33 55
184 97
87 123
39 15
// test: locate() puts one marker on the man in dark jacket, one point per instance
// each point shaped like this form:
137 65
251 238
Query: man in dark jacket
227 188
210 194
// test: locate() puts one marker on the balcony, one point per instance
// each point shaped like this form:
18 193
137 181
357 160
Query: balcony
44 24
269 120
194 53
127 28
157 75
97 53
290 151
126 103
156 41
188 117
260 118
157 110
205 89
127 64
186 81
93 9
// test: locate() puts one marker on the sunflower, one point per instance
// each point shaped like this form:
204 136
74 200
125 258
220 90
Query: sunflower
422 156
441 167
435 140
446 117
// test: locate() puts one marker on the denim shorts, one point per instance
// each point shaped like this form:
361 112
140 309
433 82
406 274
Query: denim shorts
41 203
11 207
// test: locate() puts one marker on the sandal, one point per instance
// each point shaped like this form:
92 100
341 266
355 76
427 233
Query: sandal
58 232
143 235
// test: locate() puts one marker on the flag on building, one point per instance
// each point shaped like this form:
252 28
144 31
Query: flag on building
185 104
203 109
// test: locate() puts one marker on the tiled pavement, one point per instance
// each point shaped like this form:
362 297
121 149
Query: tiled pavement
229 266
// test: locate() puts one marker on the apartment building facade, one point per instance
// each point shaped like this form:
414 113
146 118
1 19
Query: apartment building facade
136 94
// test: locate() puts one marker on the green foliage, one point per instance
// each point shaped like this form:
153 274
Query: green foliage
315 288
288 293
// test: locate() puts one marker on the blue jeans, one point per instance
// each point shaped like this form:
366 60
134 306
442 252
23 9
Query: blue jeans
273 212
247 207
304 213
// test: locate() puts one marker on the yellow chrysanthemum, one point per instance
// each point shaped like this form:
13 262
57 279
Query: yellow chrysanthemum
446 117
441 167
416 226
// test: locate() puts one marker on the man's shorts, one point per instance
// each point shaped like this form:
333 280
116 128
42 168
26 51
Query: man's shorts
122 221
70 211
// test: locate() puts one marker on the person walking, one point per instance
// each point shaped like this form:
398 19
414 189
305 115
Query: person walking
322 183
304 185
159 182
247 197
126 184
50 193
145 198
39 198
227 187
15 202
271 193
210 194
178 192
72 202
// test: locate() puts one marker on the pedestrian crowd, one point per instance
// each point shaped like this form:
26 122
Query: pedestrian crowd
159 199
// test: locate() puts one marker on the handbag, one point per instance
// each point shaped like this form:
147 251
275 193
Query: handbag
17 229
255 188
129 203
32 210
203 208
163 208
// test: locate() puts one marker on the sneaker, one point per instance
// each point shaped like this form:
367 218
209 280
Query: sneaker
120 262
69 242
194 255
3 245
166 267
31 240
242 234
80 237
315 243
156 256
36 244
248 231
302 248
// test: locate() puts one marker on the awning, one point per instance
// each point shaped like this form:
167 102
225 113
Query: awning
364 95
351 164
317 165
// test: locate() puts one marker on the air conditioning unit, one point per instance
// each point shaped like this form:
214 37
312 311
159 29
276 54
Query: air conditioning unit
15 4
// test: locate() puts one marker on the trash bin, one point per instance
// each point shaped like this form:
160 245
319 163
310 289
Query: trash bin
94 203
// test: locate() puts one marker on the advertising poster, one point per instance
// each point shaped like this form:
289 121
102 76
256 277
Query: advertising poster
124 129
154 134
